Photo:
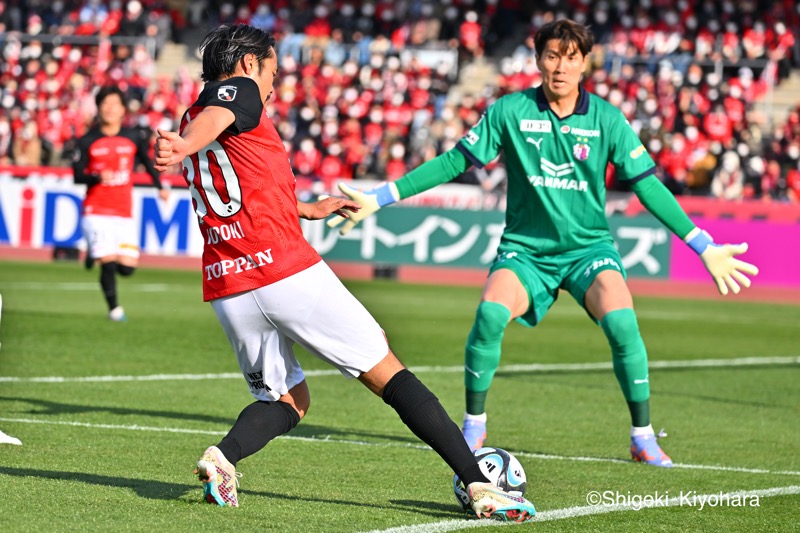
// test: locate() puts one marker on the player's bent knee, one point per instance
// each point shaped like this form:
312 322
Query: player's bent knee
125 270
621 328
491 320
376 378
299 398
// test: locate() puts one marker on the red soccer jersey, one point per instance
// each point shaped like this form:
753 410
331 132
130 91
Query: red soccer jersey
243 192
119 153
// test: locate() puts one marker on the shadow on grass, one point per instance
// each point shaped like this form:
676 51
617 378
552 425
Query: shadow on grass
160 490
660 392
439 510
47 407
312 431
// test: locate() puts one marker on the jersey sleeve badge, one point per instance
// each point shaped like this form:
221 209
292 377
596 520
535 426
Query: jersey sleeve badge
226 93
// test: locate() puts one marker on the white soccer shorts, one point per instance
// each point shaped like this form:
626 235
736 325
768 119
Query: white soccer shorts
107 235
311 308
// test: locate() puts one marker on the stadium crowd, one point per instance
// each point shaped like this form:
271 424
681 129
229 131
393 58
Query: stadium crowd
351 102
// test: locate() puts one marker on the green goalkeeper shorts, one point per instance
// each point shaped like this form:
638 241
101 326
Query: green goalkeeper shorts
544 275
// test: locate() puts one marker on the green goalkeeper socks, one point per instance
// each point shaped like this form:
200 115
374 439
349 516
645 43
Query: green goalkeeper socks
476 402
640 413
482 354
630 362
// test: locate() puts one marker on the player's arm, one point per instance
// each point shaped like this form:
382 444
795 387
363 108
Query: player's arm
719 260
80 162
326 206
428 175
172 148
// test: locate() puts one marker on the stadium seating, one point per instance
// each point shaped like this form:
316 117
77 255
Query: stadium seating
358 99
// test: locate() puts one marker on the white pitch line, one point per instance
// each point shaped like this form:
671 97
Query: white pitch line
573 512
112 426
548 456
87 286
533 367
327 439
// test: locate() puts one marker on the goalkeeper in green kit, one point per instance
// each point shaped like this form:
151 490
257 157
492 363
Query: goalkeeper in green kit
558 140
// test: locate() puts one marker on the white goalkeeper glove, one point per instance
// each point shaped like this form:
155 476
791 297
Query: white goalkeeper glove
719 261
370 201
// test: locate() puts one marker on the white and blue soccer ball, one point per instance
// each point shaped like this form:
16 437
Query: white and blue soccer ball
502 469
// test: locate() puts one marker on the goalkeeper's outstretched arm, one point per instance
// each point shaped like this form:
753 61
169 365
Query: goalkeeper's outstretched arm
428 175
719 259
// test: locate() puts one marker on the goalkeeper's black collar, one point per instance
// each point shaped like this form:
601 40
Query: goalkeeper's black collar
581 109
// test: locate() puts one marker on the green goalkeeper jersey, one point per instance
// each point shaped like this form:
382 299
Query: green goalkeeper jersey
556 167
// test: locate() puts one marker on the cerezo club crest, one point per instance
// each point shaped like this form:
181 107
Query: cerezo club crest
581 151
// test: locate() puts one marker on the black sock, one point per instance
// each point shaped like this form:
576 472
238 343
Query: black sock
640 413
258 423
125 270
108 282
421 411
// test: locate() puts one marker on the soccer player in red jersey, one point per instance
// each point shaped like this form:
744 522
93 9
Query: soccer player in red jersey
105 159
270 289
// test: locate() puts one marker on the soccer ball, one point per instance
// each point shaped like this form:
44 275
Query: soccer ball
502 469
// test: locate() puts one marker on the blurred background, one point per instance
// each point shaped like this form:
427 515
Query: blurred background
370 89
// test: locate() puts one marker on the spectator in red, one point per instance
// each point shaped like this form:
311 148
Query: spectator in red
318 31
718 125
397 115
419 94
735 106
243 15
111 24
373 129
781 45
731 43
469 37
307 159
706 40
754 41
673 160
641 35
333 168
396 166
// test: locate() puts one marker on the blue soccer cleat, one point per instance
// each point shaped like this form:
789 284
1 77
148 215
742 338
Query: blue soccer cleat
645 449
474 432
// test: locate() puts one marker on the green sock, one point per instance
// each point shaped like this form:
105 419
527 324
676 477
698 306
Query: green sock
482 354
630 362
476 402
640 413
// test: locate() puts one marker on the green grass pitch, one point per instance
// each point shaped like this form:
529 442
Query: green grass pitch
110 441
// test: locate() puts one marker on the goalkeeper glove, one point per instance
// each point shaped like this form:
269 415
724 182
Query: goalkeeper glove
371 201
719 261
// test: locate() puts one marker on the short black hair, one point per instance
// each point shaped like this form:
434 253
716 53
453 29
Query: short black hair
223 47
107 91
568 32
